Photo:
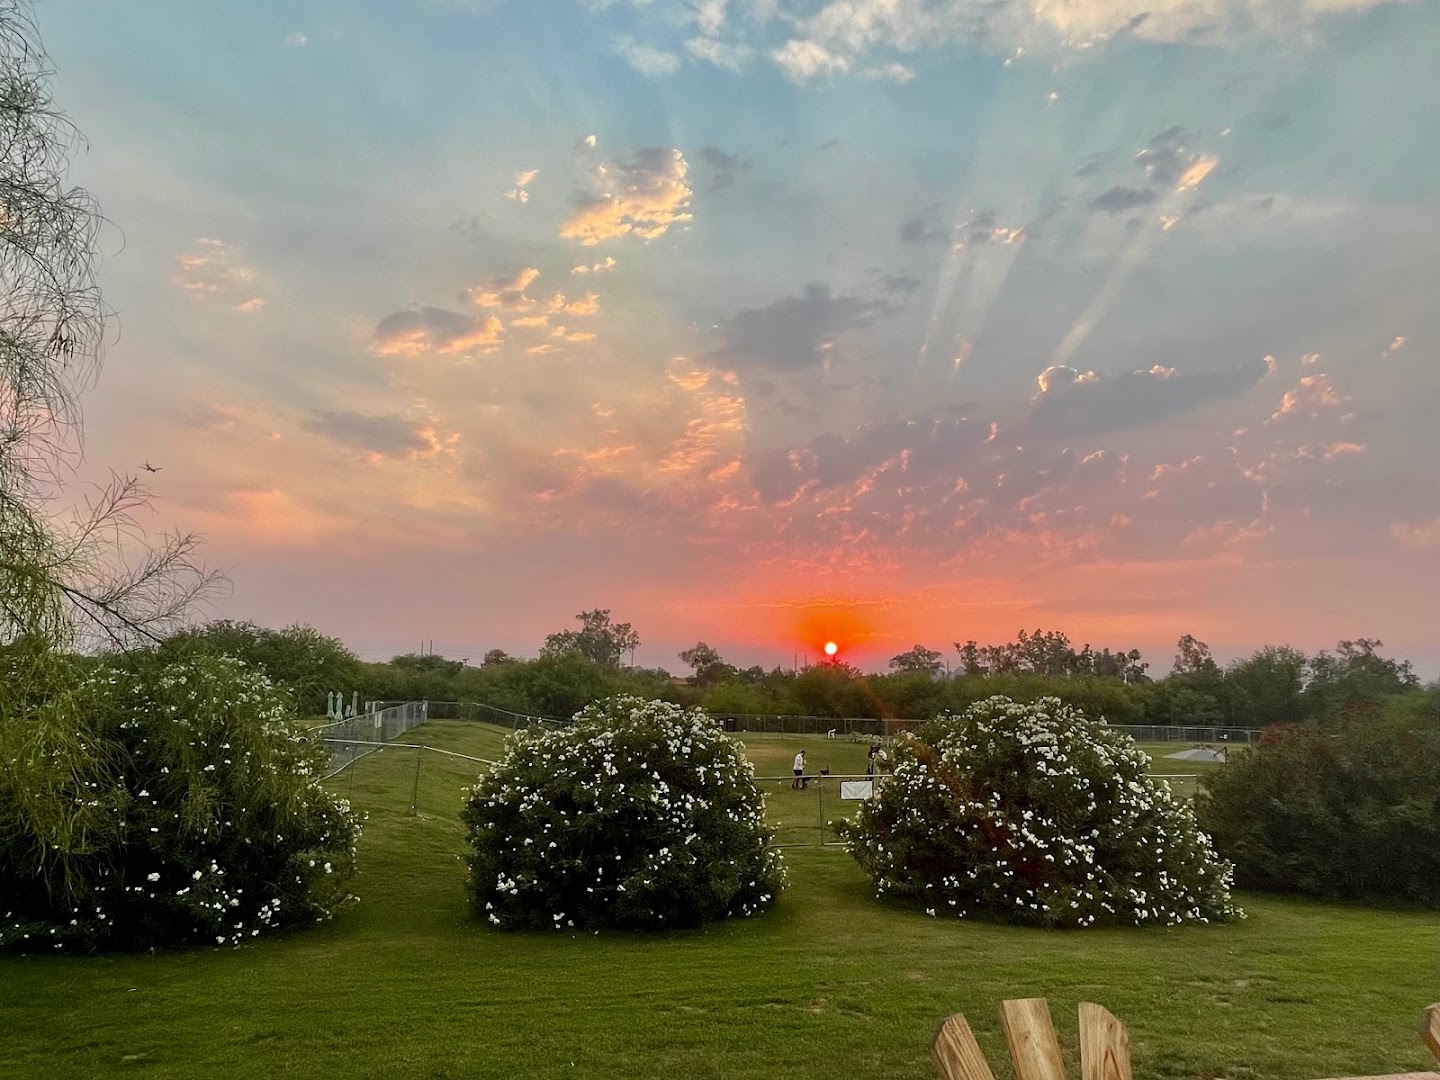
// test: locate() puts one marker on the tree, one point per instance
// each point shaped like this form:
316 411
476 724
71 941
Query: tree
496 657
918 659
61 578
1350 813
1045 652
1192 657
598 638
1266 687
430 663
706 663
299 657
1353 679
972 658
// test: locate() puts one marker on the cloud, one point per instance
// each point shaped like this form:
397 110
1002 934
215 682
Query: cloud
643 197
793 333
925 227
216 270
871 38
522 182
388 435
1312 395
428 329
900 284
1170 168
896 73
297 40
802 61
651 62
710 16
982 227
1120 199
607 263
588 304
1422 536
507 293
724 166
1071 402
925 450
724 55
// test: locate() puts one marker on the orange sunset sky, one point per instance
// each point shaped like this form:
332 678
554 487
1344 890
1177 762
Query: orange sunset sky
771 323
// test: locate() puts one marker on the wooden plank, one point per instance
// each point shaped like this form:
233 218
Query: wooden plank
1430 1029
956 1053
1033 1047
1104 1045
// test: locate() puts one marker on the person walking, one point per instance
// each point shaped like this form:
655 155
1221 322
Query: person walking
799 781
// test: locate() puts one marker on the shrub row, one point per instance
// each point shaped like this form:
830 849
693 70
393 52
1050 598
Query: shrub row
150 802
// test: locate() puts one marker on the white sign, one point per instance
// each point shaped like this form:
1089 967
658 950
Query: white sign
857 789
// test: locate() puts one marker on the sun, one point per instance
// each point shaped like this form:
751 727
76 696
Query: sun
831 648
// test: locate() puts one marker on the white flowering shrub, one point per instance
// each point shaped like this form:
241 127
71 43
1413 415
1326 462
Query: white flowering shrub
640 814
1035 814
151 803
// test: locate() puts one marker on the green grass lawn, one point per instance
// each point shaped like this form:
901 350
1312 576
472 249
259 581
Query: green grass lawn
407 983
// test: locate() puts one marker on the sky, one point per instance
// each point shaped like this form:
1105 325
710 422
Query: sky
765 322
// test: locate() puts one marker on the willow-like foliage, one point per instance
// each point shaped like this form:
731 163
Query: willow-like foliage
62 579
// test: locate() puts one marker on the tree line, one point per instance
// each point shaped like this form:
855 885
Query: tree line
1275 684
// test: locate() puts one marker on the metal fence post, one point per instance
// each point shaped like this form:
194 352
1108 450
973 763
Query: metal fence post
415 791
822 810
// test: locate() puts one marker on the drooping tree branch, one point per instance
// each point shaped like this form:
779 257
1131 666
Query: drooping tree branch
62 580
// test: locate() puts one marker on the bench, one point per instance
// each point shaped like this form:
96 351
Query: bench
1104 1045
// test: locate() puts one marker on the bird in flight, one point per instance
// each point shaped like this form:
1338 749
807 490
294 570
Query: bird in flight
150 468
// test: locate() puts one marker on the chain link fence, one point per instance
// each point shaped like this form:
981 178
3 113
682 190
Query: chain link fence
853 727
354 737
803 812
1157 733
477 711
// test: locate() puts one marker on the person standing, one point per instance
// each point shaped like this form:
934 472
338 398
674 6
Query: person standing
799 781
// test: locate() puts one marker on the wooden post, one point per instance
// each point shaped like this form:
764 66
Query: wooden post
1104 1045
1033 1047
1430 1029
957 1055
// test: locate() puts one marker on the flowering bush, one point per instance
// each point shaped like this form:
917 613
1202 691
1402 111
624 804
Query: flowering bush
151 803
1035 814
640 814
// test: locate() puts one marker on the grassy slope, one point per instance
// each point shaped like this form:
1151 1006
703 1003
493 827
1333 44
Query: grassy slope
408 984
